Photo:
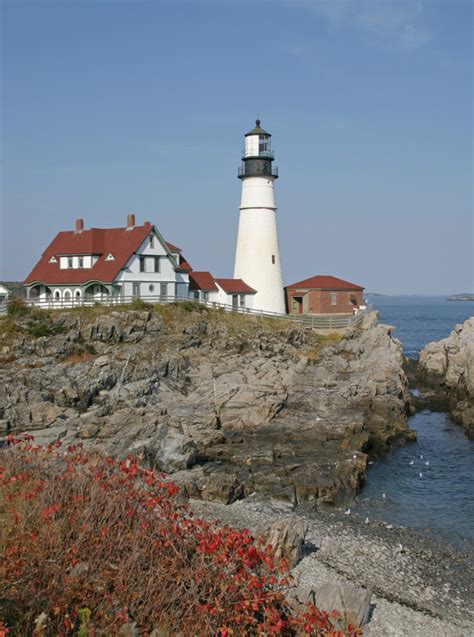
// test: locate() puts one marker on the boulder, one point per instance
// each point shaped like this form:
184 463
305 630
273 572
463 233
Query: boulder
352 602
287 537
446 367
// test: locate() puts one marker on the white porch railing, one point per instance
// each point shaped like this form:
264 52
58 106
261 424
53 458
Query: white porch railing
326 321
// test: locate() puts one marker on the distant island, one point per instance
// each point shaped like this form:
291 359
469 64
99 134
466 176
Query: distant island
461 297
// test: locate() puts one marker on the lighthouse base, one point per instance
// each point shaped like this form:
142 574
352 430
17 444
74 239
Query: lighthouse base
257 259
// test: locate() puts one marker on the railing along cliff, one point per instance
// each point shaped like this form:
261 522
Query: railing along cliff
327 321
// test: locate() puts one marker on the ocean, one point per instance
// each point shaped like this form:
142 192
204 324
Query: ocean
427 485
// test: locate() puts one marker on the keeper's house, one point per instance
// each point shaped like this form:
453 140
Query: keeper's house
324 294
108 265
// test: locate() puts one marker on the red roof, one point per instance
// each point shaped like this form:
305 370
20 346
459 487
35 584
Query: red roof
325 282
120 242
235 286
184 265
172 248
202 281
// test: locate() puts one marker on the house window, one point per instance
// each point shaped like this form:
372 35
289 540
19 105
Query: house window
157 264
242 300
273 259
69 262
334 299
205 296
142 264
151 287
136 290
163 289
196 294
152 241
235 301
57 295
81 262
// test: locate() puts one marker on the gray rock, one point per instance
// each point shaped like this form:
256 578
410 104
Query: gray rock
447 367
266 410
352 602
287 538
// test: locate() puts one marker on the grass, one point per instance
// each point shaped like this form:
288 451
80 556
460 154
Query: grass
33 322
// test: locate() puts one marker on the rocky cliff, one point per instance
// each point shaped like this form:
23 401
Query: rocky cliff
447 368
230 405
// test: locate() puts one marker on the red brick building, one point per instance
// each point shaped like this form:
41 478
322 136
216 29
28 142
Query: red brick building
323 295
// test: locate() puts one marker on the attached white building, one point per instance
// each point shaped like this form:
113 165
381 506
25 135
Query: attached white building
108 265
4 296
225 292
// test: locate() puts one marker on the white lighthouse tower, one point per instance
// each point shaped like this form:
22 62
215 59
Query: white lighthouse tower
257 258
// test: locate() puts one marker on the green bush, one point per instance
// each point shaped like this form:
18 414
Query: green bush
17 306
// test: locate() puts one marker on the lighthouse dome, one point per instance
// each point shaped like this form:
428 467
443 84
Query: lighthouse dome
258 130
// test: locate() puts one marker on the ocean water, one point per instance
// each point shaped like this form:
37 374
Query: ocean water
427 485
420 319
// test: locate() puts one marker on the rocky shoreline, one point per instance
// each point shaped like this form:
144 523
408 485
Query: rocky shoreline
256 421
227 404
419 587
444 376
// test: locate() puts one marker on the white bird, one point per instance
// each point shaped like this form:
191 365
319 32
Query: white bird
366 520
421 456
421 475
354 456
412 462
383 496
347 512
427 463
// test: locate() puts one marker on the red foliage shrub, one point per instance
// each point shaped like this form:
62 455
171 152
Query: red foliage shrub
89 543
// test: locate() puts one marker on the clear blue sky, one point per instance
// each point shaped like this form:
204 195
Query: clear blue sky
117 106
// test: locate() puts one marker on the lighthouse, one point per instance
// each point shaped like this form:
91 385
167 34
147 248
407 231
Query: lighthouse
257 258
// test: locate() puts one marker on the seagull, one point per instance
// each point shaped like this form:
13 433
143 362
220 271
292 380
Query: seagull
383 496
421 456
421 475
412 462
366 520
348 512
427 463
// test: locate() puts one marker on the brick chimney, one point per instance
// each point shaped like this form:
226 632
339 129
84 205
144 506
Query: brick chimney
147 224
79 225
131 220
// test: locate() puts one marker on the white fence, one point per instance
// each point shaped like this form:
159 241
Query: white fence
320 321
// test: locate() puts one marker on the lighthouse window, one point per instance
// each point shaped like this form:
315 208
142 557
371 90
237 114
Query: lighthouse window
263 144
273 259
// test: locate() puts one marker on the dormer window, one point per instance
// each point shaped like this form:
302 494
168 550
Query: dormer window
110 257
69 262
80 262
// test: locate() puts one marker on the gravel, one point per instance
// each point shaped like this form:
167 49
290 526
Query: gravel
421 587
